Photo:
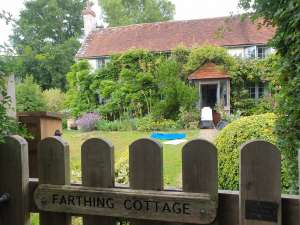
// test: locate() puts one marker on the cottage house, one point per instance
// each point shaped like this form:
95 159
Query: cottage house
241 37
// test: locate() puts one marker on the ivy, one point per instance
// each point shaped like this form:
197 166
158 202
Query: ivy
285 16
134 84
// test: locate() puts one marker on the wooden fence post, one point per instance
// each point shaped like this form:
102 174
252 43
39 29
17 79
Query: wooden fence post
200 168
14 180
54 168
97 158
260 192
145 169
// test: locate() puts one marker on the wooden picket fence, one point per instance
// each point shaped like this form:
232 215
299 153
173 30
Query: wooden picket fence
99 201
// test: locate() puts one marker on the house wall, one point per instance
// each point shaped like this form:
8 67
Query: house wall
242 52
237 52
93 63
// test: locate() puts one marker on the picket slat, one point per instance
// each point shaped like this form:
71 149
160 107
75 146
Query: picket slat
54 168
14 174
145 169
97 157
260 197
200 168
259 200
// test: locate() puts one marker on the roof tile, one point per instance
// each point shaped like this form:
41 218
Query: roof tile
165 36
208 71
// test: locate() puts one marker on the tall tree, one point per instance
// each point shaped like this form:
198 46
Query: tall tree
125 12
285 16
46 39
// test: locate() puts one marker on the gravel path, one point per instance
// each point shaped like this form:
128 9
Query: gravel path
208 134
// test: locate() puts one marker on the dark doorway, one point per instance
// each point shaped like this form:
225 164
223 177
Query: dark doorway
209 95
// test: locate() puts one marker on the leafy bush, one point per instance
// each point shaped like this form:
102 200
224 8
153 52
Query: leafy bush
148 123
188 118
79 97
285 17
122 169
208 53
29 96
88 121
8 126
54 100
233 136
246 73
117 125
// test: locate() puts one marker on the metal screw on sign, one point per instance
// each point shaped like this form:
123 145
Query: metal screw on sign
4 198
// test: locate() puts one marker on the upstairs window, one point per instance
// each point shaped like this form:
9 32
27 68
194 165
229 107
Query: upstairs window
250 52
261 52
256 52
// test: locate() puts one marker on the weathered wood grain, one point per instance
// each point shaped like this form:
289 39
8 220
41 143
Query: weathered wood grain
138 204
145 169
260 184
228 212
14 174
200 168
97 157
41 125
54 168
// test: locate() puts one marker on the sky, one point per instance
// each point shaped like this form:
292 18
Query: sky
185 10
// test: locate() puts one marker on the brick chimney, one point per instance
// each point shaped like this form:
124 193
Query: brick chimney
89 19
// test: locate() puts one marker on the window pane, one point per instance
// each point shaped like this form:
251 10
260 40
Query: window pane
250 52
261 52
252 92
261 90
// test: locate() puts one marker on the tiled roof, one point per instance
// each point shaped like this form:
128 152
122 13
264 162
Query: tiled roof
208 71
165 36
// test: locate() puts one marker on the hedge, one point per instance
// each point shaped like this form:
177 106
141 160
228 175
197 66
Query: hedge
230 139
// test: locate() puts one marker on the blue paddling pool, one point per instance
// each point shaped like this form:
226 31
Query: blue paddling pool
162 136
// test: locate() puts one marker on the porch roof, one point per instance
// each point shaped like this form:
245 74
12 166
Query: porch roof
209 71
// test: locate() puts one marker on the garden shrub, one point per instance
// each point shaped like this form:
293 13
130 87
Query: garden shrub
80 98
233 136
116 125
29 96
8 126
122 169
54 100
188 118
148 123
284 15
208 53
88 121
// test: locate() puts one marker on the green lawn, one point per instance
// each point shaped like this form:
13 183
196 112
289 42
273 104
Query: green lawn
121 141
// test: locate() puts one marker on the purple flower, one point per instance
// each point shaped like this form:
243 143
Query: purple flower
88 121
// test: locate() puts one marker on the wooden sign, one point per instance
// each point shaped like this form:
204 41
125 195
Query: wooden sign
136 204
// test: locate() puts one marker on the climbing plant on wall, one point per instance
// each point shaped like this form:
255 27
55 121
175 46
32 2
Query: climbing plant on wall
134 84
284 15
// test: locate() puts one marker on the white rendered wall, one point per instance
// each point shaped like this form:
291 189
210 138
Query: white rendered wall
237 52
93 63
